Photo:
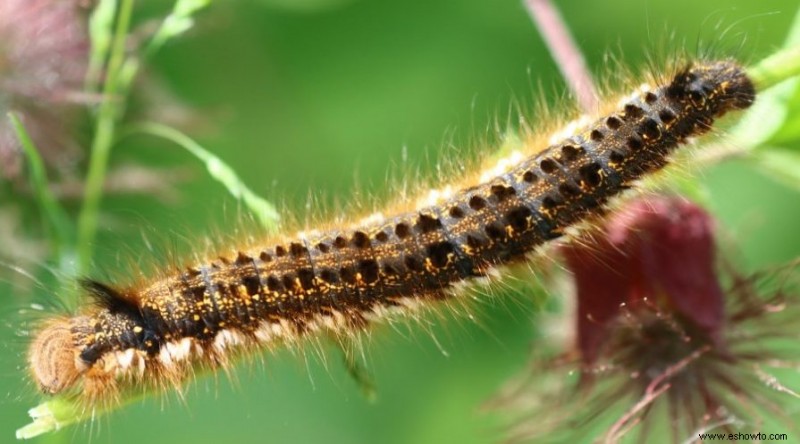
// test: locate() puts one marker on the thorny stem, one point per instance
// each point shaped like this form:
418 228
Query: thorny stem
562 47
103 139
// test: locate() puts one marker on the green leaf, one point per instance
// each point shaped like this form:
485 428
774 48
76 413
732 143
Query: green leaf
52 415
64 410
176 23
766 117
790 130
53 213
770 131
264 211
780 164
777 77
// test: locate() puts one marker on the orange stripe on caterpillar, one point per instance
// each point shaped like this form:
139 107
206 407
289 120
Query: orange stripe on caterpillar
338 280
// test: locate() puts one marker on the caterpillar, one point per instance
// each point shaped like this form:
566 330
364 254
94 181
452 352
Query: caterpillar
339 280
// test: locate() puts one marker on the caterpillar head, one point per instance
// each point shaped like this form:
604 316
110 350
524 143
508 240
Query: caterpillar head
54 356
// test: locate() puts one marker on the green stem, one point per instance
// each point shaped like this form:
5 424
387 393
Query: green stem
55 216
103 139
101 25
62 411
265 212
776 68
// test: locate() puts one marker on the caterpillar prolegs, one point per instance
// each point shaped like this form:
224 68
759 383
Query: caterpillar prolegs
340 279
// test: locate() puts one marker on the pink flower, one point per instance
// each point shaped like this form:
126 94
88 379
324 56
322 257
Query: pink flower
43 56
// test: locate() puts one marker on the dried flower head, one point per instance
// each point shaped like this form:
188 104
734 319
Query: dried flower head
664 346
43 55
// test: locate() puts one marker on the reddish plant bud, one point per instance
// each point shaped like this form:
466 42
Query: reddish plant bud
658 251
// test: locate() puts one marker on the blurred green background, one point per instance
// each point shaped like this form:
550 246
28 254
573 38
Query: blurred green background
321 95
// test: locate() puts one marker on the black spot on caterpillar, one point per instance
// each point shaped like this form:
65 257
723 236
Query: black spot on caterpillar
340 279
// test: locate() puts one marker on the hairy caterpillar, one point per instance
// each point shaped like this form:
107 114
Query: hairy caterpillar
340 279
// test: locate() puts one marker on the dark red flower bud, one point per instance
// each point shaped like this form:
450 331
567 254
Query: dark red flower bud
661 251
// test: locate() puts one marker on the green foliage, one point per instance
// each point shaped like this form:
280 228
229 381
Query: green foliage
771 129
264 212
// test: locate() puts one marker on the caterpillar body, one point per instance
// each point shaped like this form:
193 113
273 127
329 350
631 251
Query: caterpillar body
339 280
